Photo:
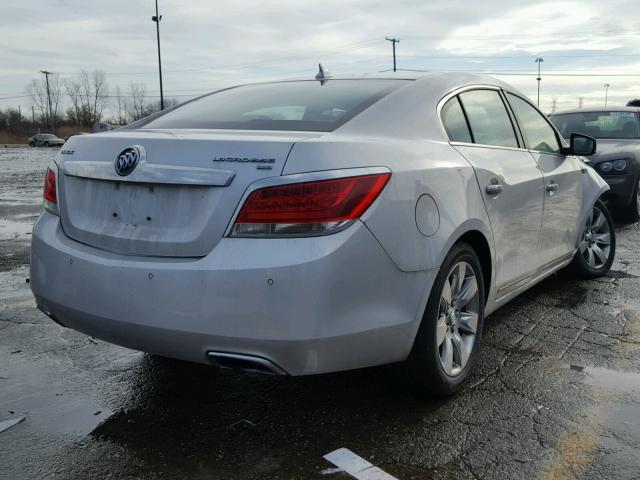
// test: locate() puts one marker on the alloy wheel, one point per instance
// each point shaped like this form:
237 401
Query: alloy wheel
457 318
595 245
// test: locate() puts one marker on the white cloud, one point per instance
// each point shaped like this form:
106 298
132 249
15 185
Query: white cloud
207 44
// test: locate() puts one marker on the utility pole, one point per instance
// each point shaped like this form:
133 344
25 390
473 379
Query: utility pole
46 76
554 104
33 116
156 18
539 60
393 42
606 93
580 102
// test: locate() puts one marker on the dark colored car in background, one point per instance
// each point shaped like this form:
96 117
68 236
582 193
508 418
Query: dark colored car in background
617 159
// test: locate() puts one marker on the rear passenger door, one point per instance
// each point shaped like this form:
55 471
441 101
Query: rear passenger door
562 178
481 129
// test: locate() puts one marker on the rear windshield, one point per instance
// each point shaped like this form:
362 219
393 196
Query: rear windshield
301 106
611 124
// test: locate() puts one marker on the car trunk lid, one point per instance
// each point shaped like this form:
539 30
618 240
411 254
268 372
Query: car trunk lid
177 201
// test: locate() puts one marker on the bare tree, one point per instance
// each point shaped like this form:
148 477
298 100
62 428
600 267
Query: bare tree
100 94
88 94
120 116
37 90
55 90
136 106
75 111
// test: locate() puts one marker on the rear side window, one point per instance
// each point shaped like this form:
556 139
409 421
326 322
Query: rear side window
454 122
538 133
488 118
301 105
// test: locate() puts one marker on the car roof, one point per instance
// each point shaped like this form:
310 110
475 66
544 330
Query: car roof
452 77
597 109
446 79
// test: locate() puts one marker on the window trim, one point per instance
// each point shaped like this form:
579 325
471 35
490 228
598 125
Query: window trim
468 88
544 117
464 115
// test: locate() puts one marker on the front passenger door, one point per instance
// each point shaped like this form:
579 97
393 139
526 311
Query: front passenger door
562 178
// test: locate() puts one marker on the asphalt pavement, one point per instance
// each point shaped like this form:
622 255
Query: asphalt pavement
556 394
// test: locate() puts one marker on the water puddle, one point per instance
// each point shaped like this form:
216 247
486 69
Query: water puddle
52 407
612 381
16 230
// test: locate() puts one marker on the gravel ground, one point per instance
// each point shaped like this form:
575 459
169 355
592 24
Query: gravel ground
556 394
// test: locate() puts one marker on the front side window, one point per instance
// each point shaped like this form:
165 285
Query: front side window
607 124
454 122
537 132
299 106
488 118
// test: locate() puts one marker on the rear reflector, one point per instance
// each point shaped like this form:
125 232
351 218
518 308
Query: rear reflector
50 193
309 208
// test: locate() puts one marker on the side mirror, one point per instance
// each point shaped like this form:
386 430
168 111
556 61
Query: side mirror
582 145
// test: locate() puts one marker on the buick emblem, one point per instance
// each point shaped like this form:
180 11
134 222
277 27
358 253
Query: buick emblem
128 159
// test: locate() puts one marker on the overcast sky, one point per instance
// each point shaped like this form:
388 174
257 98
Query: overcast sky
207 44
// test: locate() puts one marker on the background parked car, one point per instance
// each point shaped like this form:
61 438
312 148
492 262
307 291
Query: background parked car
45 140
618 157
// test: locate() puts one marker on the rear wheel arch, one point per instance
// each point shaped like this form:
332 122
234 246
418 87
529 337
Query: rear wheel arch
480 245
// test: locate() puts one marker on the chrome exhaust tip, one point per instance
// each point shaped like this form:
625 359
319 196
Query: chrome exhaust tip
247 363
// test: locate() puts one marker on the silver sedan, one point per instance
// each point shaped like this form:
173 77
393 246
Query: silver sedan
311 226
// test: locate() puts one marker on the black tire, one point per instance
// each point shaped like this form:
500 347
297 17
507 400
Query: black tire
632 212
47 144
31 144
581 265
424 368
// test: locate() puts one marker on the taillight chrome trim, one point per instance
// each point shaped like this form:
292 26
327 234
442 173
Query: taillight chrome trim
301 178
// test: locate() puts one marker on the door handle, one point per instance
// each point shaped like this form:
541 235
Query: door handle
494 189
552 187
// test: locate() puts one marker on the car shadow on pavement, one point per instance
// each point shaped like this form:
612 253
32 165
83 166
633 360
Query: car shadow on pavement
235 421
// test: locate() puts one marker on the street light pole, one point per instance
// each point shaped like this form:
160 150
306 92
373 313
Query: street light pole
156 18
606 93
539 60
393 41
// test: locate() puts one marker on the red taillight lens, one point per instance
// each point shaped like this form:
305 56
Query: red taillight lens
50 194
310 207
50 187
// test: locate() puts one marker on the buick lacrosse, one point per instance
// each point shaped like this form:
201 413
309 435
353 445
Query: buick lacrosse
302 227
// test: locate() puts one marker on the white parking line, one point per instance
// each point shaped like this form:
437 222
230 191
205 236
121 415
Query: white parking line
356 466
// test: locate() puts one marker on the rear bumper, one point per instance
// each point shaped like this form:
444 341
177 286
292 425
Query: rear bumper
309 305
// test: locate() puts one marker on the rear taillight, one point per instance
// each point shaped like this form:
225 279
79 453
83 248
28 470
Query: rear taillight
50 192
308 208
